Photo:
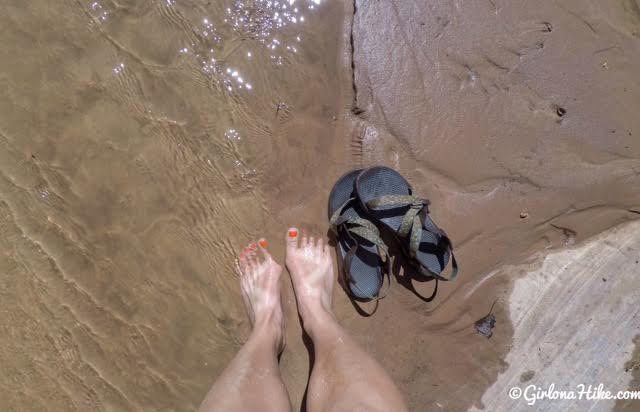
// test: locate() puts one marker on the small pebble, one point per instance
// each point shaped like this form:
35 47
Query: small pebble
524 215
485 325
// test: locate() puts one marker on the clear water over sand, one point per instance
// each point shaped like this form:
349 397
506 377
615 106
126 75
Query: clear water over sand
142 143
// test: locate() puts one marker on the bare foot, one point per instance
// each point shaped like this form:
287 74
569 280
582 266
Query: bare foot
309 263
260 283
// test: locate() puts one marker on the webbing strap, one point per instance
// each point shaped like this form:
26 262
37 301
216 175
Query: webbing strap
363 228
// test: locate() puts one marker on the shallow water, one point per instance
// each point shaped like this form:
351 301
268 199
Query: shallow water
143 142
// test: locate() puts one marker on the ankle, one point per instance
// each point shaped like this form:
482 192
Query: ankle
265 338
267 331
315 319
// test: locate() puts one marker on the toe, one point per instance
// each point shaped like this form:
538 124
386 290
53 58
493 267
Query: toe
312 243
292 239
252 261
320 244
262 246
249 253
305 239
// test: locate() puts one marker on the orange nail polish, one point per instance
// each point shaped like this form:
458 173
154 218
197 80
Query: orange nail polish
293 233
263 243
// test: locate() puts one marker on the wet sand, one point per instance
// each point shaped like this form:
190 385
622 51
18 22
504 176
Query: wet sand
519 122
141 143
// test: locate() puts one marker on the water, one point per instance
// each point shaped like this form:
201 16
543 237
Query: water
141 144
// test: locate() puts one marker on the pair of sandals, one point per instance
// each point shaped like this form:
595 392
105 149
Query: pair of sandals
365 199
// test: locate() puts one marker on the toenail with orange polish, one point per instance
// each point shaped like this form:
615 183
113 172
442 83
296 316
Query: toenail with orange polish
262 242
293 233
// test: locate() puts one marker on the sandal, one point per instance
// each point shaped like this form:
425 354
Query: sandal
387 198
358 241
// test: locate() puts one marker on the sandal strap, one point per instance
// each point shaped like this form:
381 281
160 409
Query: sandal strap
362 228
411 222
358 226
454 263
